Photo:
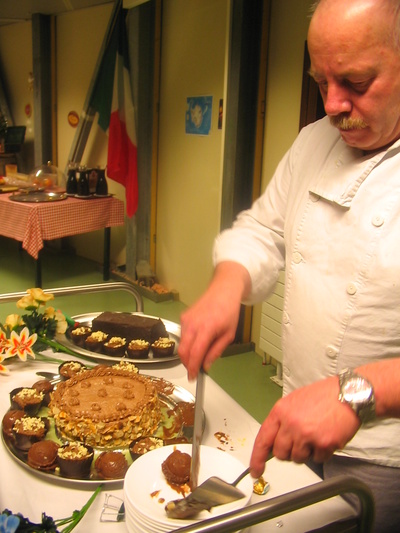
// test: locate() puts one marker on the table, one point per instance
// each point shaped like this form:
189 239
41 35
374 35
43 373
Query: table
33 223
26 492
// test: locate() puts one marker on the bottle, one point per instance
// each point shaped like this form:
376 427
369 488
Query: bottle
72 185
101 186
83 182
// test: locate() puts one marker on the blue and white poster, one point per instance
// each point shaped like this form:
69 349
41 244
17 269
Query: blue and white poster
198 115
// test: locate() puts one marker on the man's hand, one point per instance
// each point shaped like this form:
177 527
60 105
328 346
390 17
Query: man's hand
309 423
210 325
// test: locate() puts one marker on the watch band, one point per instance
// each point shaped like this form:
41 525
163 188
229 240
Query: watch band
361 400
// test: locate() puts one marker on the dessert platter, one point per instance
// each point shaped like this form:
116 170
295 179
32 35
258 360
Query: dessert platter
92 426
150 330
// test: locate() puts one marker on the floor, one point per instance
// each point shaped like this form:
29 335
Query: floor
243 376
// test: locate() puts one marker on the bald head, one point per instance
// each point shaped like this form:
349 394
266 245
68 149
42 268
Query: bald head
349 10
355 59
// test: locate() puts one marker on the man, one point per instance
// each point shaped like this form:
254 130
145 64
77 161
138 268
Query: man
331 218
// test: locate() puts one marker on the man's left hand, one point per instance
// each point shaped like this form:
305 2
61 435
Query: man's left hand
309 423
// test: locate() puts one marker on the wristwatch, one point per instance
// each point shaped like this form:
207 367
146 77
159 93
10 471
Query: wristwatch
358 393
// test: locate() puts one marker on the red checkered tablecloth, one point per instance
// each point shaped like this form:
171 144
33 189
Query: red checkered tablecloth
33 223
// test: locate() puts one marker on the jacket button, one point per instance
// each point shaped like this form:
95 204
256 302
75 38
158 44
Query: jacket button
351 288
331 351
297 257
377 220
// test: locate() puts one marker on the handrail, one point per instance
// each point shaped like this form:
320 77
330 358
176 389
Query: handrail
77 289
286 503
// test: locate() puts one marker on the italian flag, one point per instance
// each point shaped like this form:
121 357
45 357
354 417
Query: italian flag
112 98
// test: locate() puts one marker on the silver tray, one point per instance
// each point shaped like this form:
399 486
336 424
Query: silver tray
173 395
173 329
36 197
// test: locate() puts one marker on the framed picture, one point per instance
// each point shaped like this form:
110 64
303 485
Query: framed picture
198 115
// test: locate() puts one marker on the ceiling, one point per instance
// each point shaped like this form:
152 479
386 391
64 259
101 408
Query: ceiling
12 11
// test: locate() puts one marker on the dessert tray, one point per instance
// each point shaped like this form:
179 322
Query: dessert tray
38 196
173 329
172 426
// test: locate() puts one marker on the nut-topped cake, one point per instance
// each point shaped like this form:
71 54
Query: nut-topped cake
106 407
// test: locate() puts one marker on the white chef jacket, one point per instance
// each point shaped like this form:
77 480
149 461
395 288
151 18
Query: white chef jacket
331 218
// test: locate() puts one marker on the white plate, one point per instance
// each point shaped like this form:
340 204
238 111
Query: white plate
145 479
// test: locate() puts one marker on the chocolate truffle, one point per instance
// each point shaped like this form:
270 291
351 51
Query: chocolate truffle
42 455
111 465
176 467
9 420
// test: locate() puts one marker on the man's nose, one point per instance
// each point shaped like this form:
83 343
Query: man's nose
337 100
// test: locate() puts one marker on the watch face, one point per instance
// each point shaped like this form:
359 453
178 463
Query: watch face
357 390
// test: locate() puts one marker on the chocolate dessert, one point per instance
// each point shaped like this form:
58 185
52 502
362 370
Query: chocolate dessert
27 399
140 446
106 407
29 430
80 334
176 468
138 349
129 326
115 346
95 341
111 465
42 455
9 420
75 460
70 369
163 347
46 387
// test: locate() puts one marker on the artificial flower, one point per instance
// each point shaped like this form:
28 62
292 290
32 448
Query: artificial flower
62 324
21 344
33 332
9 523
13 320
40 296
17 523
27 302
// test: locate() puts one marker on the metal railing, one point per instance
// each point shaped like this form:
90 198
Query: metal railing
85 289
293 501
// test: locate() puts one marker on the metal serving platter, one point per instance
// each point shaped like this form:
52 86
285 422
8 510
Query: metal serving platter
170 398
173 329
38 196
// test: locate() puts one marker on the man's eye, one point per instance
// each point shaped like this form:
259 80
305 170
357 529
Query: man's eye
359 86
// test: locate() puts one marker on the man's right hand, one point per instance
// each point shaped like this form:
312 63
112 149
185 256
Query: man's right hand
209 326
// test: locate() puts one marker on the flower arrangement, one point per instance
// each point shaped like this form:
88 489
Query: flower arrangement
17 523
31 333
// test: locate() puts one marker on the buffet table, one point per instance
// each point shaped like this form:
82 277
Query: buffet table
33 223
24 491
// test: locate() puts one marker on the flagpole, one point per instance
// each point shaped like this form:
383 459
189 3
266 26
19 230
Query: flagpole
88 113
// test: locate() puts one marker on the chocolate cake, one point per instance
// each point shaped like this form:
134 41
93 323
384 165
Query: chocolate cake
129 326
106 406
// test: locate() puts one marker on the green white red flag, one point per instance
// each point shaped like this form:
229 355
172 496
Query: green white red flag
112 98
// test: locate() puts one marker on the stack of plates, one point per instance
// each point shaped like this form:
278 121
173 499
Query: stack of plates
146 491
